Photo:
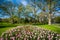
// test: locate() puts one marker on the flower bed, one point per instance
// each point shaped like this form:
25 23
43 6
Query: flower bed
29 33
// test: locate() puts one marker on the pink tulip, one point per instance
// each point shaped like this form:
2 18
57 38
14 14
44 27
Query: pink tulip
24 38
12 38
1 38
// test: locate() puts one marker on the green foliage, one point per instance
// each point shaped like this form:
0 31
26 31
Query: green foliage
14 19
3 25
32 7
57 19
3 8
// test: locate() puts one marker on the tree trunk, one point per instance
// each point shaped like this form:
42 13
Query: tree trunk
49 19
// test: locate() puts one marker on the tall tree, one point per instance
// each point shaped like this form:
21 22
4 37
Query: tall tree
52 8
20 10
8 7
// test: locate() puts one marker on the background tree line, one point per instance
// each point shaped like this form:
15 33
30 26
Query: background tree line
36 11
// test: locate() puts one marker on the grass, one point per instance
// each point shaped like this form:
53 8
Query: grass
54 28
7 26
4 25
4 29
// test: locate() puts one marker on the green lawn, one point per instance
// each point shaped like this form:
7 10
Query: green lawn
6 26
55 27
4 29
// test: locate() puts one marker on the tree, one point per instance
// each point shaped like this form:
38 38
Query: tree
20 10
8 7
34 9
43 17
51 4
57 19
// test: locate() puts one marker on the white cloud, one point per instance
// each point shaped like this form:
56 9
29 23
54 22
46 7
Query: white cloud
24 2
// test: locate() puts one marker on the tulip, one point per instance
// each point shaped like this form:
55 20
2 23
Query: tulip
12 38
30 33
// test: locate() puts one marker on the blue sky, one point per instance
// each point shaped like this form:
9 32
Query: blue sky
19 1
24 2
15 2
